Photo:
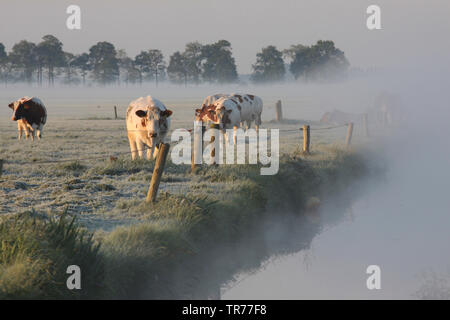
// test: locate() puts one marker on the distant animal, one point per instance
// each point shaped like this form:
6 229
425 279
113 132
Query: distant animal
387 110
31 116
148 122
337 117
231 111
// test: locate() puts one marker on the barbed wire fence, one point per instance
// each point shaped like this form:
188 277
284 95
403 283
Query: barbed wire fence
104 155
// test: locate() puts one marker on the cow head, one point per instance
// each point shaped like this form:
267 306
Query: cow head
206 113
19 110
154 120
223 117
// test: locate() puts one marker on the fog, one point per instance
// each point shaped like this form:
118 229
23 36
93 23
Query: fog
400 223
411 29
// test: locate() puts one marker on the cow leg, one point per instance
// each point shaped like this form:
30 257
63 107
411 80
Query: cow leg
140 148
258 122
150 152
27 132
33 131
249 124
235 134
19 128
39 131
132 147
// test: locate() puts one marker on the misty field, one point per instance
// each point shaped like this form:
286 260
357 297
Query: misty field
69 173
80 138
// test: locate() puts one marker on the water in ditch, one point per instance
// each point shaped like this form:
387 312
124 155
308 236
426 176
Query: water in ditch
400 224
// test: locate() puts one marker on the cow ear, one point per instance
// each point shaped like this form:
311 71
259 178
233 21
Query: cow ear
167 113
198 111
141 113
11 105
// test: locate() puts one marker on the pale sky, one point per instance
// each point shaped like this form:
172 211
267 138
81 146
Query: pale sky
413 31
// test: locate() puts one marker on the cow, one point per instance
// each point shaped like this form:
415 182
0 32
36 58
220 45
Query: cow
226 113
31 116
207 104
337 117
148 122
387 110
249 109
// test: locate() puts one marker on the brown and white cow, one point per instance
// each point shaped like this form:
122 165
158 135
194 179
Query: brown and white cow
231 111
148 123
249 107
31 115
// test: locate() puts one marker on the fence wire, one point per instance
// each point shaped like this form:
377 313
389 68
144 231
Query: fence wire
113 154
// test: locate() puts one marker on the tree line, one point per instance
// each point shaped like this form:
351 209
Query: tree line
211 63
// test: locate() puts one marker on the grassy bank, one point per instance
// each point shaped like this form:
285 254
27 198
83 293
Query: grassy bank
186 244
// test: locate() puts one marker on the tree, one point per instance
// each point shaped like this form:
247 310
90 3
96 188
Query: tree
50 53
269 65
332 61
177 69
142 62
219 64
5 64
322 61
193 55
303 62
23 56
157 65
290 53
69 59
150 62
102 58
127 64
81 62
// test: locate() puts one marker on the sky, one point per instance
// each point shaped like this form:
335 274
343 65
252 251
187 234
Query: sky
412 30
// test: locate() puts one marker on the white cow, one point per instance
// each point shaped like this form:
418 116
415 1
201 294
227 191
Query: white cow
147 124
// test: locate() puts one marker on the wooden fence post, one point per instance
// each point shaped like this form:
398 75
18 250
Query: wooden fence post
278 111
306 138
365 124
1 166
157 172
348 139
115 112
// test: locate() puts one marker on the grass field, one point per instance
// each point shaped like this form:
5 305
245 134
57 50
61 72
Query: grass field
220 205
